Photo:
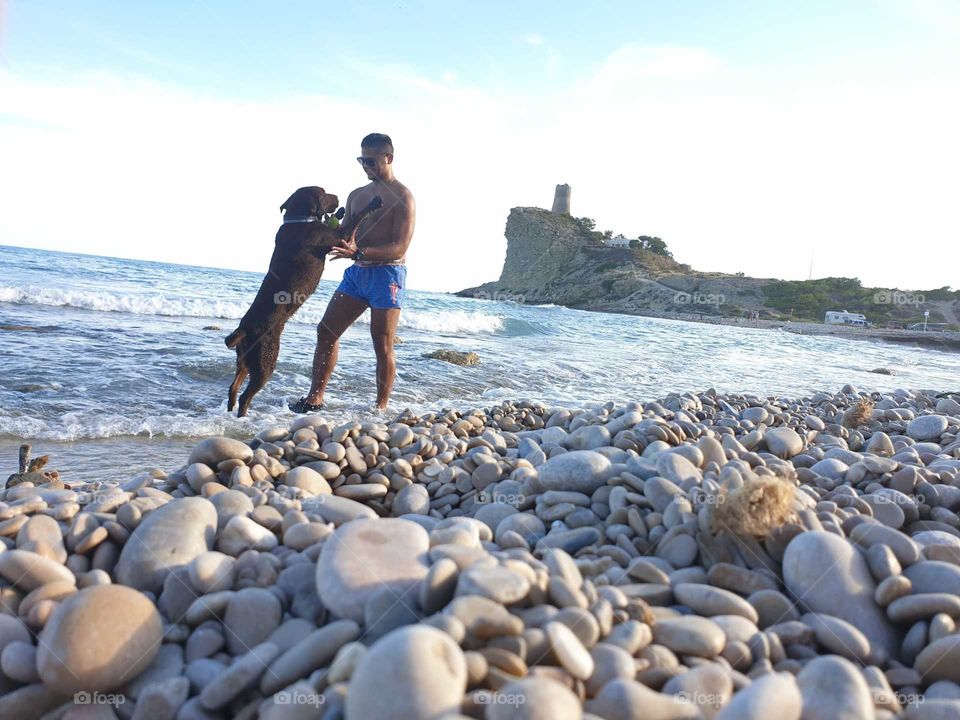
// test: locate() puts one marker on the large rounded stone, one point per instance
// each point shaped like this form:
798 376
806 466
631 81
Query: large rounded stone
690 635
526 525
169 537
579 470
412 500
416 673
934 576
834 689
99 638
363 556
336 509
783 442
838 636
212 572
41 534
677 469
569 649
242 533
708 686
587 437
770 696
610 662
491 514
927 427
534 699
708 600
27 570
214 450
827 575
496 582
630 700
308 480
12 630
940 660
252 614
830 468
230 504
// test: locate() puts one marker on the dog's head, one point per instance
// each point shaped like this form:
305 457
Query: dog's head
310 202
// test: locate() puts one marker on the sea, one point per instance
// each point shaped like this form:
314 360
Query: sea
115 367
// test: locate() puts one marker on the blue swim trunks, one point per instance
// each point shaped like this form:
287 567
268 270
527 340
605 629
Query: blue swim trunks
380 286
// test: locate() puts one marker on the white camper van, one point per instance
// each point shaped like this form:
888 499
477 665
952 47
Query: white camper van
838 317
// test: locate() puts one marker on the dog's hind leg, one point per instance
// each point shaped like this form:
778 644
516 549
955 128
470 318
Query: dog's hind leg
241 375
261 362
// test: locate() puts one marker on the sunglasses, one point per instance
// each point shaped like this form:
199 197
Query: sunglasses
369 161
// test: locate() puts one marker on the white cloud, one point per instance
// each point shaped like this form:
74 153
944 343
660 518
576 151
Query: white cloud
633 62
653 141
534 39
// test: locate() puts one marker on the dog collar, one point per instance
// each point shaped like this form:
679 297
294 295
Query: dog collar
289 220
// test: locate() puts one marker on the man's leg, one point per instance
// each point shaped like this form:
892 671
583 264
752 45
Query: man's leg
383 330
341 313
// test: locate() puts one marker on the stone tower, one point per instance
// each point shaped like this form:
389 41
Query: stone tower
561 200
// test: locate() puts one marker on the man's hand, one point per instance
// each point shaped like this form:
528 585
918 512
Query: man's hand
345 250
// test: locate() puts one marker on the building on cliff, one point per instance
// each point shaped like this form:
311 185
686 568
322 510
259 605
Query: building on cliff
617 241
561 200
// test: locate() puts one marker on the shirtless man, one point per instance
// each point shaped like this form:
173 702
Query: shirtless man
376 279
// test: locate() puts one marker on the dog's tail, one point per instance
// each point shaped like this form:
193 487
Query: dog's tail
234 338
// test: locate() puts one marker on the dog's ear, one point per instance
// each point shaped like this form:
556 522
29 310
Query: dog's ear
286 202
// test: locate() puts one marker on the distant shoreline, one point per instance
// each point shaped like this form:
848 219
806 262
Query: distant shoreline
939 340
949 341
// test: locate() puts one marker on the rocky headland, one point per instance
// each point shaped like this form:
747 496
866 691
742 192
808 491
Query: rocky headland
553 257
700 556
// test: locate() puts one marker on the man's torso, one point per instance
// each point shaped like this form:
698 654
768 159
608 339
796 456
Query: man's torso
377 229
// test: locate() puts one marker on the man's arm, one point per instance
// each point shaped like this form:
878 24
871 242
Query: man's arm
404 218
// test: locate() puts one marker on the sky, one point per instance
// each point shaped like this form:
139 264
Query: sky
778 139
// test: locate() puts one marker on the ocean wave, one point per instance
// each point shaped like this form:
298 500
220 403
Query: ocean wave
450 321
97 425
444 321
102 301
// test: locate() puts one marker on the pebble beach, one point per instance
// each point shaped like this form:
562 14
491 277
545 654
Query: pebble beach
703 555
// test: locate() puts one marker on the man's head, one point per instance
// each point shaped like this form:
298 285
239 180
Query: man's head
376 156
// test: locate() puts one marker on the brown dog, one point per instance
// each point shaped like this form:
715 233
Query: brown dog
302 244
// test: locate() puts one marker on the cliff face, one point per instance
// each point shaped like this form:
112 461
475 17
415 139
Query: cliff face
540 246
551 258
